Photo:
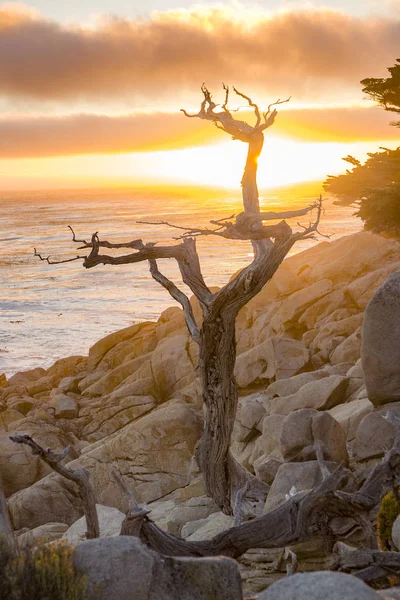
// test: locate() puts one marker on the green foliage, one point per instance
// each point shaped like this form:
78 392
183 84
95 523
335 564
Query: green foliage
375 185
380 171
44 573
388 512
386 91
380 211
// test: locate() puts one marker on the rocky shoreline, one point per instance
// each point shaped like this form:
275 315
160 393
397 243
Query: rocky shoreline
134 405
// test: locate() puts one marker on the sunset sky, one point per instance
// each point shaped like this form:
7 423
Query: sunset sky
90 96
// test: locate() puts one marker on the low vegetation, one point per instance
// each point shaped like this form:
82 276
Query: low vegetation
44 573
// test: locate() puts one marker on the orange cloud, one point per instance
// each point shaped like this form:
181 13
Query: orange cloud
98 134
302 53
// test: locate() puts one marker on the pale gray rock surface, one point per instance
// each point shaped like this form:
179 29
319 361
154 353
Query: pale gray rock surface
380 351
301 430
123 568
318 586
110 521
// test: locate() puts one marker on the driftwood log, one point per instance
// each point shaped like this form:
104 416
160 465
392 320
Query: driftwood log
78 476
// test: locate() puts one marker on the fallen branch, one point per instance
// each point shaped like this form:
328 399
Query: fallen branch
78 476
304 516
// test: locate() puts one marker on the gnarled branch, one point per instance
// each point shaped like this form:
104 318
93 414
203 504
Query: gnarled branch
78 476
180 297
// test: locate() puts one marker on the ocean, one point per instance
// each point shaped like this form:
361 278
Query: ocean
52 311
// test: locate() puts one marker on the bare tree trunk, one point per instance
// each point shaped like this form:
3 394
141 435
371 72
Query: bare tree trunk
6 529
249 179
217 362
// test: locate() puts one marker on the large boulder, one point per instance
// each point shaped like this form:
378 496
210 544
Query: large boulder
350 415
123 568
375 434
303 428
275 358
110 521
19 468
318 585
43 533
153 455
322 394
294 478
294 306
380 351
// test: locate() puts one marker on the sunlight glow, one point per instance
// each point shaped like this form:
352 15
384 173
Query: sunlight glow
283 161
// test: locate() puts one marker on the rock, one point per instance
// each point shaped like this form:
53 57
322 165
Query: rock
333 333
8 416
171 365
153 455
276 357
300 431
248 424
110 521
3 380
323 308
130 372
350 256
113 413
380 350
66 367
349 350
351 414
396 533
124 568
287 387
26 377
295 305
322 394
266 468
318 585
22 405
389 593
362 289
19 468
103 346
50 500
193 510
303 476
375 435
65 407
213 525
268 443
44 533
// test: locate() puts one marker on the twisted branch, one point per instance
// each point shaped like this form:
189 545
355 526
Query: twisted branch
78 476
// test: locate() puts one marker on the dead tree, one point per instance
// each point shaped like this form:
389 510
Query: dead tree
6 529
79 476
227 482
332 511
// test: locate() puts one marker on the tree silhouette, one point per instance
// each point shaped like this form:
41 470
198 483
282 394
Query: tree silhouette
227 482
374 187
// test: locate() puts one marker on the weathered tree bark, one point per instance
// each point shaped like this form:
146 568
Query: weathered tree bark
6 528
304 516
78 476
227 482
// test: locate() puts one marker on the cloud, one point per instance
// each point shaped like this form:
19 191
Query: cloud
309 53
25 137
